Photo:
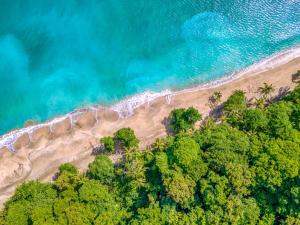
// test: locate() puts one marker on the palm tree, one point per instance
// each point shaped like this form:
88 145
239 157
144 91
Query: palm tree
266 90
159 144
214 99
217 95
260 102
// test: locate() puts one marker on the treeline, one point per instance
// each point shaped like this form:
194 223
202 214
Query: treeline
241 168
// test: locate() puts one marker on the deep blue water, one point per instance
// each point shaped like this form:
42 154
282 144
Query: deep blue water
56 56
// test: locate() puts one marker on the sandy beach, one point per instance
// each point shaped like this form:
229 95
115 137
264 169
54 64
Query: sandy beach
37 153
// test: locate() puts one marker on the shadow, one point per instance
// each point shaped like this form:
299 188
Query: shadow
167 123
283 91
212 102
55 176
296 77
96 150
216 112
119 147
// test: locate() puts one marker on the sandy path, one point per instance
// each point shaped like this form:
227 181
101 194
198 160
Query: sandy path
40 156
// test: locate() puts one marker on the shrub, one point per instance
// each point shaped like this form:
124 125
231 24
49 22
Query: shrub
254 120
235 102
101 169
69 168
184 119
234 107
108 143
127 138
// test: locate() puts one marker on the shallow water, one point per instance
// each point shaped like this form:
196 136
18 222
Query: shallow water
59 55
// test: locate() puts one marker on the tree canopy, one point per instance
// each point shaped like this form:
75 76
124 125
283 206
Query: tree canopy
184 119
127 138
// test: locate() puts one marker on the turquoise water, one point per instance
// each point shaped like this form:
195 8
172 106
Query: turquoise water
56 56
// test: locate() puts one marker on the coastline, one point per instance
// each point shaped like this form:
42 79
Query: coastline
35 152
127 106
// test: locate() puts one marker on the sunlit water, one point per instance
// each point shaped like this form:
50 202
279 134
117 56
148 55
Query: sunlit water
56 56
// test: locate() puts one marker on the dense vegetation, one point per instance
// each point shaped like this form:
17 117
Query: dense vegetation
242 168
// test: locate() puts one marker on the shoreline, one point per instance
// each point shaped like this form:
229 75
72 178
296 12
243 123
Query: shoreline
37 153
126 107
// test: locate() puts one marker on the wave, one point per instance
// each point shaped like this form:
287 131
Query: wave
126 107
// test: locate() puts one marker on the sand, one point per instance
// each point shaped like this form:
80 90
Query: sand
38 153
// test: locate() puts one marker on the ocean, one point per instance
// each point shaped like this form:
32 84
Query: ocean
56 56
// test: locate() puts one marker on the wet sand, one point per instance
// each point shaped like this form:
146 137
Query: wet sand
39 153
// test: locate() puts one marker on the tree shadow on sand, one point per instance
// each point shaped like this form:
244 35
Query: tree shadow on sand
216 112
283 91
167 124
97 150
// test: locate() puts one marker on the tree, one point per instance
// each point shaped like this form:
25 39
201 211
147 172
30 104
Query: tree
295 116
254 120
68 168
235 103
184 119
260 102
279 119
215 99
32 203
108 143
42 215
127 138
278 163
214 190
151 215
234 107
101 169
18 211
266 90
185 151
294 96
161 144
161 161
79 214
180 188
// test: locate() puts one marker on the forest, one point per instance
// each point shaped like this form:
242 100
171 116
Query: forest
239 166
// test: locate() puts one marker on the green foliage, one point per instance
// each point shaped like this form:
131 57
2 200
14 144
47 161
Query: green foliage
127 138
214 99
108 143
266 90
79 214
185 151
294 96
180 188
243 171
149 216
236 102
279 119
101 169
31 204
234 107
295 116
184 119
68 168
254 120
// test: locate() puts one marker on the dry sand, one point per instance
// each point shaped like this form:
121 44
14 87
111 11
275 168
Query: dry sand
39 154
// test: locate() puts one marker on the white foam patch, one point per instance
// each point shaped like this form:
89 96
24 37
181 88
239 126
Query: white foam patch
126 107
